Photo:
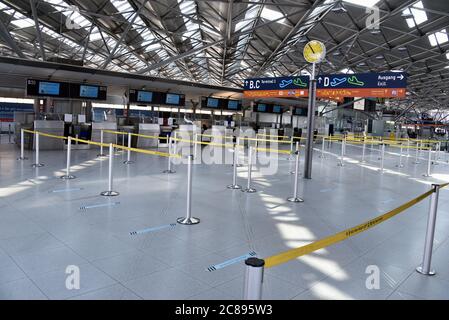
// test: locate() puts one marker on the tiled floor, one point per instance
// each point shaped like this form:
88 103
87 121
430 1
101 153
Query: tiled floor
43 229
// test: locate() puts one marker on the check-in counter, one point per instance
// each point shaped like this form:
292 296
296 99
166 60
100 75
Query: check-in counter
50 127
107 137
149 129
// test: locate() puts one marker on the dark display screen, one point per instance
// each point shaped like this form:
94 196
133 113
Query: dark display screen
212 103
49 88
172 99
277 109
261 107
233 105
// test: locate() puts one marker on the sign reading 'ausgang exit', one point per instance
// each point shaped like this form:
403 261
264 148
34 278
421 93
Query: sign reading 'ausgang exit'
364 85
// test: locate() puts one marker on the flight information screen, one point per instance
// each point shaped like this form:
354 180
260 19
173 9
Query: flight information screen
49 88
233 104
89 91
277 109
261 107
212 103
172 99
144 96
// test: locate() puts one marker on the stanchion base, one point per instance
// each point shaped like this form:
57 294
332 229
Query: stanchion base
426 175
430 273
234 187
340 164
128 162
169 171
292 172
416 162
101 155
435 163
239 165
68 177
188 221
37 165
109 193
249 190
400 166
22 159
294 199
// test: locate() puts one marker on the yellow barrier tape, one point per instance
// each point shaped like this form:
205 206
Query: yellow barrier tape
266 140
274 150
155 153
343 235
212 136
270 135
149 137
115 132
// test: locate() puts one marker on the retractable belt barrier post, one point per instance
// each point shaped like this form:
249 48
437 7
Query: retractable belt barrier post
429 162
291 148
297 149
382 157
68 176
253 279
341 163
110 192
400 164
188 219
22 146
249 188
169 169
101 154
238 164
128 159
234 185
9 133
417 154
195 145
425 267
363 151
37 164
322 148
295 186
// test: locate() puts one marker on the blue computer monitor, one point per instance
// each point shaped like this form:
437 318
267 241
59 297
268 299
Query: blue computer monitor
277 109
89 91
49 88
172 99
233 104
212 103
261 107
144 96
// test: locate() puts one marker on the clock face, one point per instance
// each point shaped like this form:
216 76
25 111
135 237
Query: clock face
314 51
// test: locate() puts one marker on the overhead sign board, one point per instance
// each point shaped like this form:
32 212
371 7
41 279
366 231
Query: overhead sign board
277 87
362 85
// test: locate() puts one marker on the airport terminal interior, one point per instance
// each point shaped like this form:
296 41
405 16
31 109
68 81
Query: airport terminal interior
224 150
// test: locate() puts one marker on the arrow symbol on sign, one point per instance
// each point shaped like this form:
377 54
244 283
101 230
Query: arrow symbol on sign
320 79
401 77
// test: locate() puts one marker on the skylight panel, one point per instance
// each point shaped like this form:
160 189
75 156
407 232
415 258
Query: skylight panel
346 71
364 3
271 15
23 23
438 38
415 15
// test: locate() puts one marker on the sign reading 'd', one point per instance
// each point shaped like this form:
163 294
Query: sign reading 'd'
364 85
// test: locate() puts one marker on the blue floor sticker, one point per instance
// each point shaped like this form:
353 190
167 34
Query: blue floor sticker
171 225
230 262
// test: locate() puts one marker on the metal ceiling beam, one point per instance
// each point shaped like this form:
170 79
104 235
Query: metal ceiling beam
4 33
38 29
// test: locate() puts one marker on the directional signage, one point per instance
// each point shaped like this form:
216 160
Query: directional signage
277 87
362 85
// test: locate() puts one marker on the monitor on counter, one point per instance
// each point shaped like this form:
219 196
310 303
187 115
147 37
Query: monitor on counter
233 105
277 109
261 107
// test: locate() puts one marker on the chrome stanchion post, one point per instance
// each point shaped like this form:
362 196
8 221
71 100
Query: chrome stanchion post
101 154
195 145
128 160
408 148
254 271
295 186
175 148
341 163
234 184
291 148
417 154
425 267
249 188
68 176
9 133
169 169
382 157
22 145
363 151
110 193
400 165
238 164
188 219
322 148
437 148
297 149
37 164
429 162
